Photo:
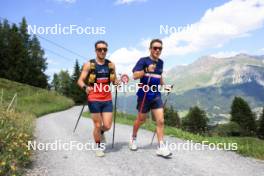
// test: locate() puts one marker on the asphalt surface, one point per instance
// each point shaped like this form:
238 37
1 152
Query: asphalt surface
58 127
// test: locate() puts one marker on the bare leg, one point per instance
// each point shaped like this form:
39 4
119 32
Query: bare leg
107 121
159 116
141 118
97 126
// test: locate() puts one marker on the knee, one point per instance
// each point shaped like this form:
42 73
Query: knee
160 122
107 127
97 125
141 120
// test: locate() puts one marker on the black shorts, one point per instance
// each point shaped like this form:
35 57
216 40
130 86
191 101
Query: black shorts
149 104
100 106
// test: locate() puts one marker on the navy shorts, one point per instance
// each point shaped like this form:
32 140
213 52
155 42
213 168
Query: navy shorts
100 106
149 104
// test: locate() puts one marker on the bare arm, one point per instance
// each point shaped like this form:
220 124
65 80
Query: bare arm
138 74
162 81
116 80
84 73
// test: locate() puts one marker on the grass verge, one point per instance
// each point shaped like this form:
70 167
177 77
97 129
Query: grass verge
17 125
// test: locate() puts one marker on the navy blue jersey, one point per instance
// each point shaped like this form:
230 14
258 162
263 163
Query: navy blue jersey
155 77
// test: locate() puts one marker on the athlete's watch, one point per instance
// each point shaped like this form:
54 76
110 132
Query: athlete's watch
84 87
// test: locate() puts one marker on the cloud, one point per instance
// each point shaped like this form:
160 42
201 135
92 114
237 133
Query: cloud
126 58
126 2
216 27
225 54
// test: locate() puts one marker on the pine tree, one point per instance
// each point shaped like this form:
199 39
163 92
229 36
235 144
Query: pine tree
37 64
4 49
77 94
21 57
195 121
242 114
55 82
261 125
171 117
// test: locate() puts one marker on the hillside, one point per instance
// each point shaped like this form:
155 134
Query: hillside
211 71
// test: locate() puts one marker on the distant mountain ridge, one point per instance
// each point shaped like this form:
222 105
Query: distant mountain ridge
211 71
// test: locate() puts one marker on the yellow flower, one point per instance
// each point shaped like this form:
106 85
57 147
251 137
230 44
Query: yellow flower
3 163
13 167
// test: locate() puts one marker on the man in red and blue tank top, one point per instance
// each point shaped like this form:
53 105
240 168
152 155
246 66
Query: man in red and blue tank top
100 73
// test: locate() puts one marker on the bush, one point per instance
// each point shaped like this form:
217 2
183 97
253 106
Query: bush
15 132
228 129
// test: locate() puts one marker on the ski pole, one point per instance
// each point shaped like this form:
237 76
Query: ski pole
79 118
113 139
154 133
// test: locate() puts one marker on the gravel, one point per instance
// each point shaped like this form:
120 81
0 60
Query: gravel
120 160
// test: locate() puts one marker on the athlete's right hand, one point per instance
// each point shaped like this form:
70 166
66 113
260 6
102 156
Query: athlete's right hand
88 89
151 68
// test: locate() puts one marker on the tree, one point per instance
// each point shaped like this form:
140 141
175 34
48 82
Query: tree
55 82
261 125
36 64
171 117
64 83
195 121
21 56
76 93
242 114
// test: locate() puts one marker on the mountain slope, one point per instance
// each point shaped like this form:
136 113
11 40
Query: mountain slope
212 71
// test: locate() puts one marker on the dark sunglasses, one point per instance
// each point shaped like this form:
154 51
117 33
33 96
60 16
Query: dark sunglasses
157 48
101 49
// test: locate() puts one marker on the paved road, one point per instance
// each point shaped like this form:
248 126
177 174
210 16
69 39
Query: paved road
120 160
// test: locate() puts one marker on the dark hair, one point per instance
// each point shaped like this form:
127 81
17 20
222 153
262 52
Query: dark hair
153 41
100 41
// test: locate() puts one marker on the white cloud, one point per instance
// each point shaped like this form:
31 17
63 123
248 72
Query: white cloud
225 54
262 49
126 58
121 2
218 26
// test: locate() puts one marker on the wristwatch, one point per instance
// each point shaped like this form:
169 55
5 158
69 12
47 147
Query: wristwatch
84 87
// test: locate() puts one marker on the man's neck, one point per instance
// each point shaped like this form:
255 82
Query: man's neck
153 58
100 61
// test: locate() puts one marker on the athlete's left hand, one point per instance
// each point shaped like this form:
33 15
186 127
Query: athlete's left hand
117 82
168 87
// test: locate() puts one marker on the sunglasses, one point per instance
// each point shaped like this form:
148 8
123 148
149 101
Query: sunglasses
157 48
101 49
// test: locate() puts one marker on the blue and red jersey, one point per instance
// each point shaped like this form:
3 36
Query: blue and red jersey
155 77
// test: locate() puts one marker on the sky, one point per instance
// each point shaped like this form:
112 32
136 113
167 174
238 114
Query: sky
189 29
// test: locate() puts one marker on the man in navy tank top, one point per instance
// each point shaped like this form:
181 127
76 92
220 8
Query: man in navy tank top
149 71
